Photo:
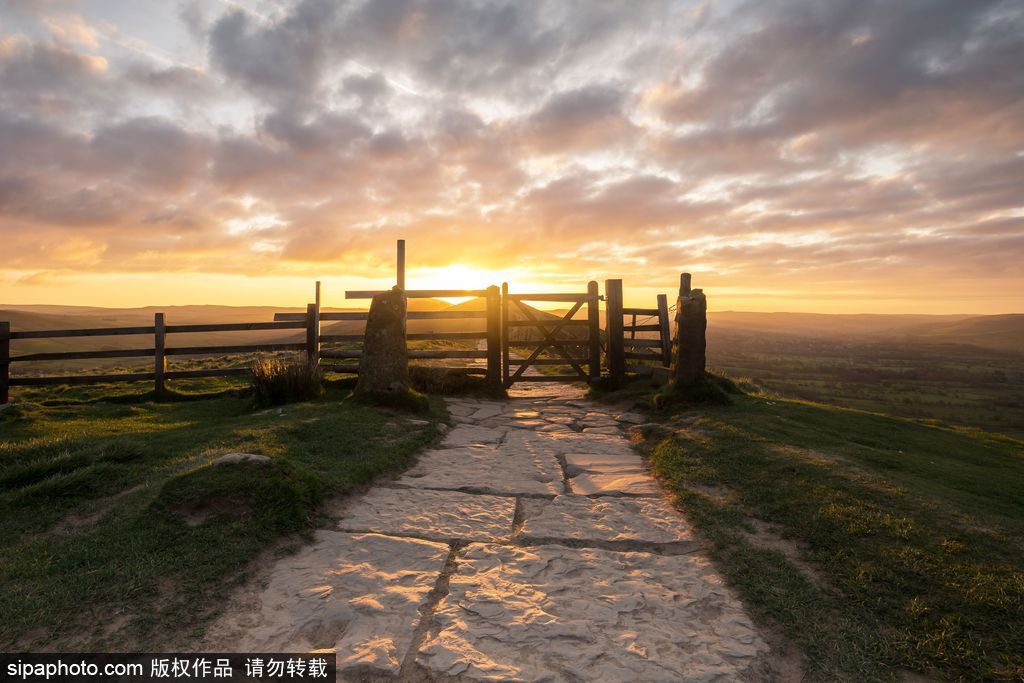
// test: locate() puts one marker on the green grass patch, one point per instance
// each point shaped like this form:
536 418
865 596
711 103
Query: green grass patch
116 529
905 541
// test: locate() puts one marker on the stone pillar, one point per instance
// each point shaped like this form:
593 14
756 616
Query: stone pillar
689 355
384 365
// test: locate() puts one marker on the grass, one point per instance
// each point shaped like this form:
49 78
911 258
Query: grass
875 544
111 513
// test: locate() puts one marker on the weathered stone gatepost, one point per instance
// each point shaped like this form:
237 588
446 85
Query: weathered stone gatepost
384 365
689 354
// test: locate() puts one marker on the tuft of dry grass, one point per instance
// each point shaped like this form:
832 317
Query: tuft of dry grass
276 382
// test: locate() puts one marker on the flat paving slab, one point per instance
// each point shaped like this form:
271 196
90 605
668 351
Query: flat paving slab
434 515
355 594
611 520
552 613
487 470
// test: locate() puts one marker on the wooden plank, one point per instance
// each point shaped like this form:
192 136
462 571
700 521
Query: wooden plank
642 370
548 321
558 296
551 378
337 315
446 353
645 343
565 344
235 327
239 348
159 355
666 332
420 293
210 372
594 316
493 354
614 313
78 355
5 361
329 338
548 361
447 336
90 332
626 310
444 315
82 379
642 328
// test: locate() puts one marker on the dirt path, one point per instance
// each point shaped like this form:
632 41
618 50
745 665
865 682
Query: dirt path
531 545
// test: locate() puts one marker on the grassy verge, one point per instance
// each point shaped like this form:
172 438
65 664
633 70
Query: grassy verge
116 530
876 545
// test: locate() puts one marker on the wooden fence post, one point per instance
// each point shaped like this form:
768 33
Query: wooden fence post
689 355
504 335
494 335
666 329
312 334
5 361
684 284
400 275
159 355
616 340
594 330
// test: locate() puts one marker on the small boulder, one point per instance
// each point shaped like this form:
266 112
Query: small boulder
238 458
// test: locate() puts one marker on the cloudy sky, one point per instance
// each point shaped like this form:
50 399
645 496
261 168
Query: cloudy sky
835 155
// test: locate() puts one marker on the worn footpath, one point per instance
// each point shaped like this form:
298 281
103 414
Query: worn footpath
532 544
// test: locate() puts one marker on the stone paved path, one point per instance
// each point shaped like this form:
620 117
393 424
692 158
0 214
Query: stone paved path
531 545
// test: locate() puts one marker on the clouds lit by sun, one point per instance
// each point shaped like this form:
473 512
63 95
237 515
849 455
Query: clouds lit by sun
826 155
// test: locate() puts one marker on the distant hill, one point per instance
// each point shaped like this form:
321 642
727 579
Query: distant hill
999 332
827 325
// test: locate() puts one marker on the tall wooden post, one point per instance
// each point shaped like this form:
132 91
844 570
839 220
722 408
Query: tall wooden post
312 333
159 355
504 335
400 280
616 340
666 329
594 330
5 362
689 357
494 335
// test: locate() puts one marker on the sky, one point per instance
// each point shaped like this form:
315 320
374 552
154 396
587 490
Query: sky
829 156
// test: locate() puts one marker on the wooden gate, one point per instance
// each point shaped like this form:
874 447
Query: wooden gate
520 323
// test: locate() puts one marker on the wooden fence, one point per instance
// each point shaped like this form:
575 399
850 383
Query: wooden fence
159 351
496 335
622 349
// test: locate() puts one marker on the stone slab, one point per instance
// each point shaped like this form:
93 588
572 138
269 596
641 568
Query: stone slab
552 613
604 463
629 483
355 594
434 515
471 435
487 470
618 520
